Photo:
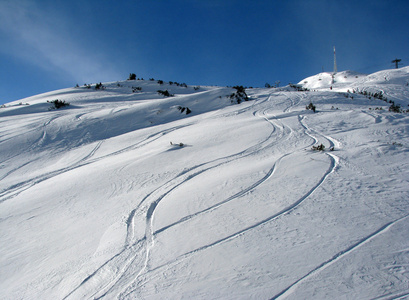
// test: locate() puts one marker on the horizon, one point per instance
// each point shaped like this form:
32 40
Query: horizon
223 43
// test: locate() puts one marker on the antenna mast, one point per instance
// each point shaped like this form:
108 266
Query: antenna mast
335 62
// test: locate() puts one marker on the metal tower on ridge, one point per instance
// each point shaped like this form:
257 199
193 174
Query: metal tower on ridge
335 62
396 61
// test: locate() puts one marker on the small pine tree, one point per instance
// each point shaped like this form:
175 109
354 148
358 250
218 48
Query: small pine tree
310 107
320 147
239 95
165 93
395 108
184 109
132 76
99 86
58 104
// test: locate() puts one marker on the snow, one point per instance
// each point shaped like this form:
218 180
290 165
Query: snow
96 203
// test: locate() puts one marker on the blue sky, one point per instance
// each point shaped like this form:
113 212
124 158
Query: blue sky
53 44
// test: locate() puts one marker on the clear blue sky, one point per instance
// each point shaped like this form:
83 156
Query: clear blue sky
53 44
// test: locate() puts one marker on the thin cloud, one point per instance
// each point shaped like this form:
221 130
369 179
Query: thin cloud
41 37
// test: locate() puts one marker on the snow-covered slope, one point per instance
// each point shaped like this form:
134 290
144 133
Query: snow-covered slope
95 202
393 83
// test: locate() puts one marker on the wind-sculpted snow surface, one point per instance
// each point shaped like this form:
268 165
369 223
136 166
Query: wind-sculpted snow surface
96 203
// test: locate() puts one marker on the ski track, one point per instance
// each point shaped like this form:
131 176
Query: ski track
290 289
87 157
148 240
125 272
235 196
283 212
298 95
32 146
18 188
334 143
12 171
394 296
130 250
131 244
331 141
163 191
333 165
134 248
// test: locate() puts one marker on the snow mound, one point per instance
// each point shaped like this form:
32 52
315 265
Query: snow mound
326 80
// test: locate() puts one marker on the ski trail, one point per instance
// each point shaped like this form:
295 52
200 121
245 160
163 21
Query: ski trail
306 129
34 144
299 96
396 296
97 284
290 289
182 178
93 151
241 193
133 248
149 209
41 141
235 196
160 193
248 108
12 171
150 233
16 189
172 185
331 141
287 210
334 162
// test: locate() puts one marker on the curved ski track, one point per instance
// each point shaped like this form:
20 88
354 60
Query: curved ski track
33 145
157 195
291 288
281 213
18 188
333 165
140 247
337 257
